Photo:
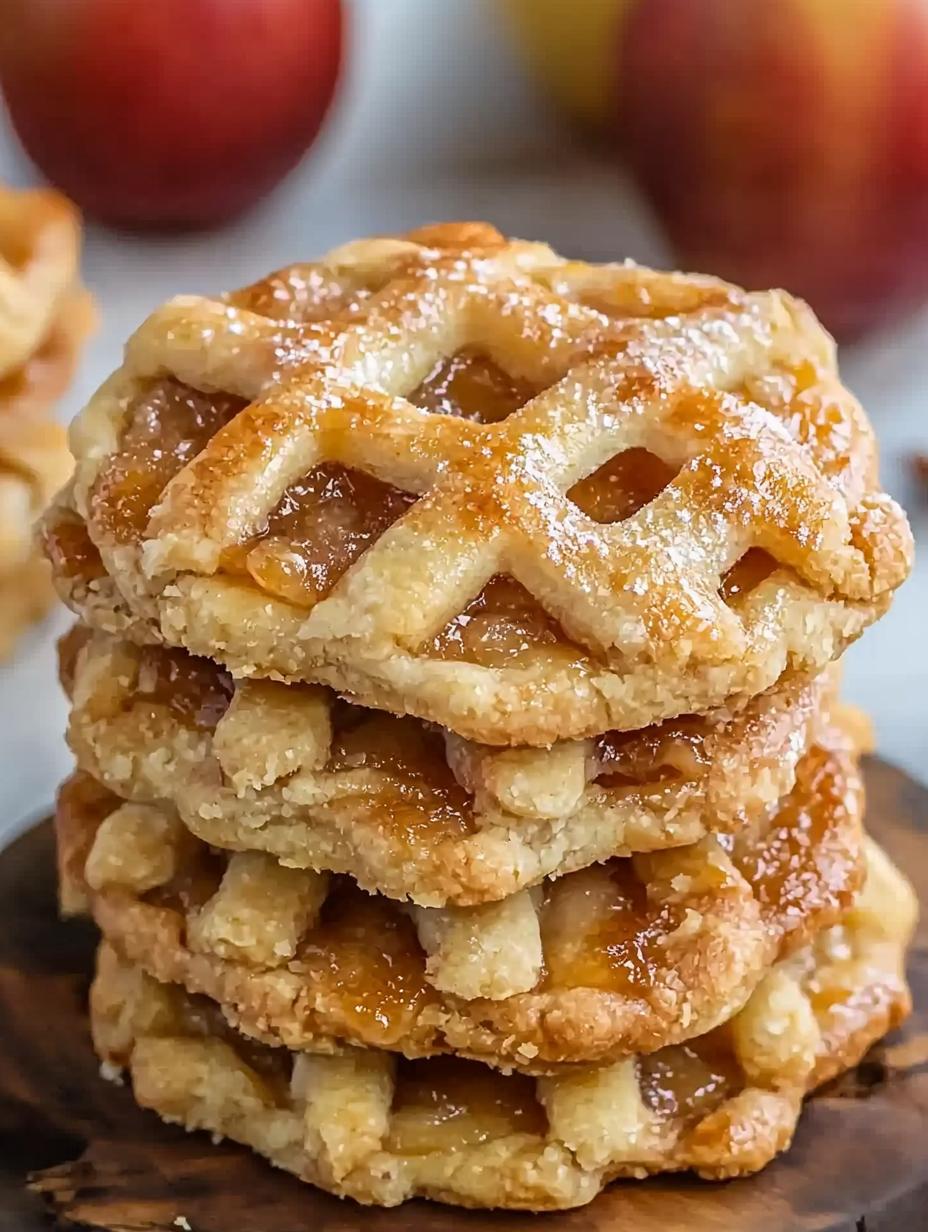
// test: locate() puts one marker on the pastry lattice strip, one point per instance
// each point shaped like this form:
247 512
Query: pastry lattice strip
616 958
259 765
363 1125
639 599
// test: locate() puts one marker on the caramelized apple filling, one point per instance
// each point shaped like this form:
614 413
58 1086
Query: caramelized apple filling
364 955
199 872
622 486
801 863
422 801
690 1080
320 527
167 428
195 691
444 1104
666 752
754 567
598 930
68 546
502 626
472 386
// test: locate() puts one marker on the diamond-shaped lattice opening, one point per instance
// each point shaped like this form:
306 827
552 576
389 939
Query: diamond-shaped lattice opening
197 692
167 426
421 798
625 760
320 527
446 1104
754 567
597 929
199 872
364 957
501 628
471 385
697 1077
622 486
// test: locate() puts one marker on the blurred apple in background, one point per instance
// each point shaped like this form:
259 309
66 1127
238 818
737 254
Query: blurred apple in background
572 45
168 112
780 142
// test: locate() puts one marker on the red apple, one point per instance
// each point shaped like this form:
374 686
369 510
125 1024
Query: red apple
168 112
785 142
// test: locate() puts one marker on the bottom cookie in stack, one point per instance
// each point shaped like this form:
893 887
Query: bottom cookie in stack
366 1124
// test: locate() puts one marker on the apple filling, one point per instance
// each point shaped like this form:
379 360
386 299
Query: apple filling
666 752
622 486
320 527
472 386
443 1104
67 544
363 955
799 865
195 881
195 692
503 627
167 428
421 800
690 1080
754 567
598 931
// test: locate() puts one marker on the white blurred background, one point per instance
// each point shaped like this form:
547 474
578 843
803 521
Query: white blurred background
388 160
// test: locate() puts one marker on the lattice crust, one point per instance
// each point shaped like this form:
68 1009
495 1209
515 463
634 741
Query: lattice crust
462 478
407 810
381 1130
625 956
40 238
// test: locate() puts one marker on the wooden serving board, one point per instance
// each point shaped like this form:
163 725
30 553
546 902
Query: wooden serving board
859 1162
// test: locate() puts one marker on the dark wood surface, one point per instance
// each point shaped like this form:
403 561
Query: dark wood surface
859 1162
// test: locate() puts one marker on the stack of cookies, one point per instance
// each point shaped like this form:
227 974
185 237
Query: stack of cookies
44 318
462 791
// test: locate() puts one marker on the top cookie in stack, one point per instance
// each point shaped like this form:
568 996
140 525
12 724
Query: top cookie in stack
504 588
461 478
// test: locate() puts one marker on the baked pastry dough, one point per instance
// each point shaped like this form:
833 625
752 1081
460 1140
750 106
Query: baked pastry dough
366 1125
405 809
40 237
622 957
44 318
463 478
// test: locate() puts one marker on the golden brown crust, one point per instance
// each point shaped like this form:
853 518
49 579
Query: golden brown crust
363 1126
44 318
39 246
403 810
637 630
624 957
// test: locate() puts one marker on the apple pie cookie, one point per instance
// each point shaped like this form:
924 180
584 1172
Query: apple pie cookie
407 809
460 477
621 957
40 236
44 318
382 1129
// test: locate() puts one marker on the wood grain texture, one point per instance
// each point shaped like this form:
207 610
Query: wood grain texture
859 1162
